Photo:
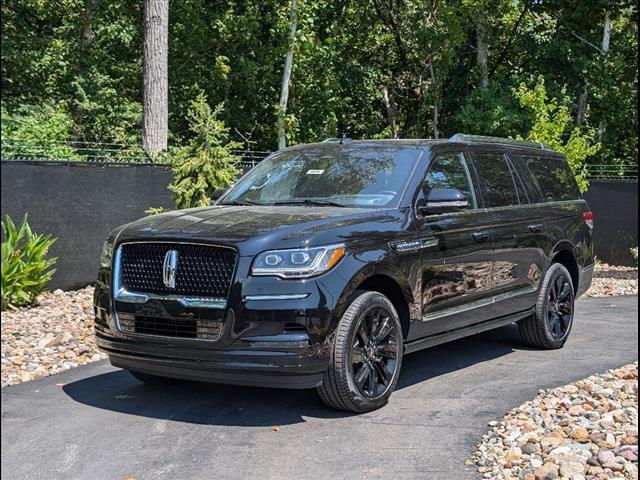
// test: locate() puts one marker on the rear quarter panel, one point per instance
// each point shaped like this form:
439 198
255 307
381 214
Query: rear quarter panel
567 230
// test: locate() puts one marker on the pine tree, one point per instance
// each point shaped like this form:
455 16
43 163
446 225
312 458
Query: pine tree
207 163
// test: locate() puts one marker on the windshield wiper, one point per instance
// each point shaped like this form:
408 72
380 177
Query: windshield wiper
309 201
242 202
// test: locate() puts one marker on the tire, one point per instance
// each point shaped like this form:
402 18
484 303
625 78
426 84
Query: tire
154 380
549 327
368 345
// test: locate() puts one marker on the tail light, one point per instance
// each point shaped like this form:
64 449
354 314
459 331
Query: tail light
588 219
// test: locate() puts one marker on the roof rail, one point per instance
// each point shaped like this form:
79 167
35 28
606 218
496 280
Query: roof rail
466 138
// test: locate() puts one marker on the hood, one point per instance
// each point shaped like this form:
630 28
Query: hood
253 229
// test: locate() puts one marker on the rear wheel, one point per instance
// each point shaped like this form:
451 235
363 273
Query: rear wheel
551 324
366 356
153 379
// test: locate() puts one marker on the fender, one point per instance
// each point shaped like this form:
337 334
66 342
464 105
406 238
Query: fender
369 270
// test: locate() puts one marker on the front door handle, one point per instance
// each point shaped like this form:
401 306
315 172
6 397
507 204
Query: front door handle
480 237
535 227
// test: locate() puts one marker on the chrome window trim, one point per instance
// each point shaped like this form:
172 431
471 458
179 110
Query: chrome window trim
507 207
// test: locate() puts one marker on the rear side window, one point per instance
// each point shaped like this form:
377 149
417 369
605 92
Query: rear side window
554 177
497 179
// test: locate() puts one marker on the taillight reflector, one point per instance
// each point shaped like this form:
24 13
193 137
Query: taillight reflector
588 218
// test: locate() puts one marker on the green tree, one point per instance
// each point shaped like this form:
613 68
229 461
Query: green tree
207 163
552 125
38 132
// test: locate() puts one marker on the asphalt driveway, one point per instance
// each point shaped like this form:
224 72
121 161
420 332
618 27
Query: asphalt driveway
97 422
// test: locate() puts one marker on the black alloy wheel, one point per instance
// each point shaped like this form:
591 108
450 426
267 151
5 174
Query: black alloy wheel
366 355
550 324
560 307
374 354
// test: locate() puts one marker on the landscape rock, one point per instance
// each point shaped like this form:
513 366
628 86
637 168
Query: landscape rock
587 430
53 336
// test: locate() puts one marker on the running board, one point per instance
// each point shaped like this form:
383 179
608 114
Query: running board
451 335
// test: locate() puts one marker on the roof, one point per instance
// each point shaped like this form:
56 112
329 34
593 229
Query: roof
460 139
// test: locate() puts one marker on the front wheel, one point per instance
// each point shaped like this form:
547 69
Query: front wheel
366 356
551 324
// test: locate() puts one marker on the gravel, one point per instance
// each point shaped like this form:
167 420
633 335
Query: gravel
584 430
54 336
610 280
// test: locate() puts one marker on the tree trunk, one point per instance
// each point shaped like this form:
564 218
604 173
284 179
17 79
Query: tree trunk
155 111
286 77
482 53
583 98
86 32
606 39
392 117
86 38
436 128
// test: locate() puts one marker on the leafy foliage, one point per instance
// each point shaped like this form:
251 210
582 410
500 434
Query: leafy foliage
551 125
423 53
206 164
26 270
37 131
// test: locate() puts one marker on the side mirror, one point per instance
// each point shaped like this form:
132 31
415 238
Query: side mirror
444 200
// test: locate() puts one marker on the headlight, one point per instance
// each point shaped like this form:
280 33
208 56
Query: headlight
298 262
106 254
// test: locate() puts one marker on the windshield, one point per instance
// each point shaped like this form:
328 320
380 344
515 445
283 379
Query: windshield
348 176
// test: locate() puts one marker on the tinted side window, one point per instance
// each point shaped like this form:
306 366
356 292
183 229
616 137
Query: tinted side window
554 177
527 180
449 170
497 180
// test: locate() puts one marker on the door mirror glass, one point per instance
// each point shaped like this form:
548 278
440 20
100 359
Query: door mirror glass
444 200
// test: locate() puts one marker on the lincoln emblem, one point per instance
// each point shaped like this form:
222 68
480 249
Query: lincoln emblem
169 268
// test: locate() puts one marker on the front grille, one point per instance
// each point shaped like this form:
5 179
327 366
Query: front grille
166 327
202 270
170 327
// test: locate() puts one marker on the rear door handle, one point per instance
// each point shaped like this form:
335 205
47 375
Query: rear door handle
536 227
480 237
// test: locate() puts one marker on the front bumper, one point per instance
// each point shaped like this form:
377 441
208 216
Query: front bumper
287 360
286 368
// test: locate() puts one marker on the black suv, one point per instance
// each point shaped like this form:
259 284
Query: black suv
326 263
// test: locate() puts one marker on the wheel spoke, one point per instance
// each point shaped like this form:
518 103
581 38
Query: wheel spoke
564 291
373 381
558 285
383 371
565 319
362 375
362 333
384 328
371 321
389 350
554 323
565 307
